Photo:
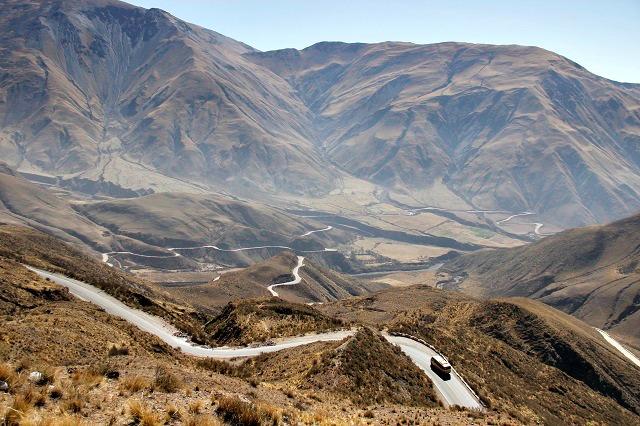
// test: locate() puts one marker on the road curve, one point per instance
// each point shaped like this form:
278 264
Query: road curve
452 391
328 228
296 277
167 333
630 356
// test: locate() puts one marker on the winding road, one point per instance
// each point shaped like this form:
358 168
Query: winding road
296 277
306 234
174 250
452 391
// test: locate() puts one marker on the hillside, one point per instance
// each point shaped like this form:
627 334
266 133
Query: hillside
258 320
98 369
318 284
591 273
520 356
113 99
528 362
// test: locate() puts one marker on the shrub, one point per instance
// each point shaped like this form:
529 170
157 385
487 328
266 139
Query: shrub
55 393
118 351
166 381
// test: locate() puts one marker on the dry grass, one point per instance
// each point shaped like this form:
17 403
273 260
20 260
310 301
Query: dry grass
203 420
7 373
196 406
142 415
173 413
75 401
235 411
87 377
135 383
63 420
165 381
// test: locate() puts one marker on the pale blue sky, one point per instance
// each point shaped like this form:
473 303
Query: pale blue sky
603 36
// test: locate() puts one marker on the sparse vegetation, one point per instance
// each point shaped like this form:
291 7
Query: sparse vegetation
236 411
248 321
165 381
135 383
142 415
118 351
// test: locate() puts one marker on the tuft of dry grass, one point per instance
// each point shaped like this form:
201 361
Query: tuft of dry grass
135 383
7 373
74 403
203 420
173 413
235 411
86 377
196 406
18 410
142 415
165 381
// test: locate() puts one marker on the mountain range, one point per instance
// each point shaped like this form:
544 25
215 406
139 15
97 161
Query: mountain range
116 99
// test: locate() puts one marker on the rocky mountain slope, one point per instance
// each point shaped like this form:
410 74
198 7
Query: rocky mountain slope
511 127
591 273
108 92
117 99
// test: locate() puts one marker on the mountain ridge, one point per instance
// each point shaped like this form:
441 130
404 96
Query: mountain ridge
109 93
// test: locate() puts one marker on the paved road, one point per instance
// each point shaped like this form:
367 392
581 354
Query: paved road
500 222
630 356
166 332
452 391
296 277
306 234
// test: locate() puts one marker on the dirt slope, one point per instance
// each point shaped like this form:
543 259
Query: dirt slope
591 273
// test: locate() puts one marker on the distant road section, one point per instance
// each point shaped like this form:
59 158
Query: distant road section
296 277
630 356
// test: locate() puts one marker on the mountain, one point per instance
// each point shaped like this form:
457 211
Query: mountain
510 127
110 93
592 273
120 100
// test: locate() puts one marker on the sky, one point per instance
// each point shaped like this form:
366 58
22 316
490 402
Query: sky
601 35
